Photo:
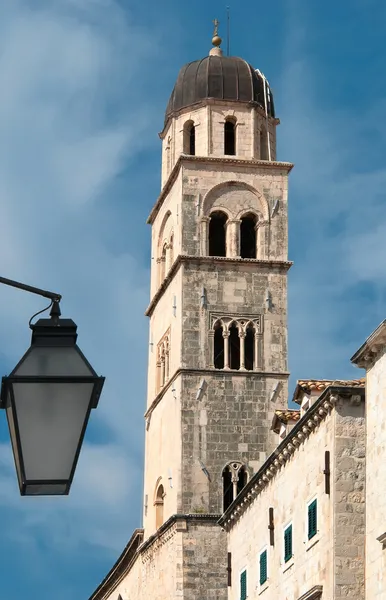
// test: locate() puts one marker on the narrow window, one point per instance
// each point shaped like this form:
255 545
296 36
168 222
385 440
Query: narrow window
242 479
227 487
312 519
249 347
263 567
243 585
217 234
163 263
248 236
171 251
234 477
230 137
218 350
159 506
189 138
234 347
263 144
288 543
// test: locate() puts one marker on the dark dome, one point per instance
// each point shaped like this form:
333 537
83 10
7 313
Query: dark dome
222 77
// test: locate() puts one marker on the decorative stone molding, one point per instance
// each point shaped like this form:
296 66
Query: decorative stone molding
283 453
184 158
181 259
371 349
312 594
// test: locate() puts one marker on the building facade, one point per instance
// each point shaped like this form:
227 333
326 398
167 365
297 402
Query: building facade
243 497
372 356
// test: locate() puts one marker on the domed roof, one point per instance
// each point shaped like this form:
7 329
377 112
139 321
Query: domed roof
220 77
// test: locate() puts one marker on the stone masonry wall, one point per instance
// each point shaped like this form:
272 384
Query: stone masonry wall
204 562
297 483
334 557
376 479
209 132
265 188
230 422
349 499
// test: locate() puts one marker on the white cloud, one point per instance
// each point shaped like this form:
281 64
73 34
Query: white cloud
72 76
337 214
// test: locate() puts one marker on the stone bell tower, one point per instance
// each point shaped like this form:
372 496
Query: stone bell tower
218 310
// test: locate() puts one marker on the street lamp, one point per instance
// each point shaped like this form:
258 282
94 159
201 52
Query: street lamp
48 398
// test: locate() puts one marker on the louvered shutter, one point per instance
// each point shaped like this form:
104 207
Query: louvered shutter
288 543
263 567
243 585
312 519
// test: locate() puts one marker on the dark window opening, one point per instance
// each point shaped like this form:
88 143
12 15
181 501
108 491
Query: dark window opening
242 480
218 348
248 236
234 347
190 138
249 348
217 234
230 138
227 487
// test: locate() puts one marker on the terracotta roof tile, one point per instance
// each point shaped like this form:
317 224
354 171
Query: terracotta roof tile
288 415
319 385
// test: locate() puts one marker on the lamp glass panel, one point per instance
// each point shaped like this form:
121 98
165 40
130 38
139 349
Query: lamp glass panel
50 418
46 361
12 431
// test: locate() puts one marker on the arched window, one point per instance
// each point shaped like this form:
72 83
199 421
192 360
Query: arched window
230 137
218 349
159 506
249 342
234 478
263 144
234 347
189 138
236 343
217 234
248 236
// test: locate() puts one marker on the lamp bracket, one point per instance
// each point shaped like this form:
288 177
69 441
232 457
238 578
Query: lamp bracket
33 290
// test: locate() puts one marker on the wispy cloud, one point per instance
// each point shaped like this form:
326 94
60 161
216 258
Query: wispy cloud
72 118
336 206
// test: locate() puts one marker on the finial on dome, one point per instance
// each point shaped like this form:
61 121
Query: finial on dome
216 40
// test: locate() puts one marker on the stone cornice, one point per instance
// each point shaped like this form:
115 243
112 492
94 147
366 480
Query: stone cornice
371 349
238 162
277 460
184 258
211 372
121 567
177 522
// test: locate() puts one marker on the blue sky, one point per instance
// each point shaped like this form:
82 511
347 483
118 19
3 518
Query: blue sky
84 87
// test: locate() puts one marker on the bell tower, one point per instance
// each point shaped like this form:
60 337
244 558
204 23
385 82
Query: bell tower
218 310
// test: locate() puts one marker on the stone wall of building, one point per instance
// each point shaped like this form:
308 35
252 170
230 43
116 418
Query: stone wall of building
209 119
334 557
230 422
236 189
376 480
349 477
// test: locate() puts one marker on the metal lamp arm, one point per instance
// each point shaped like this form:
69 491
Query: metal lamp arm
33 290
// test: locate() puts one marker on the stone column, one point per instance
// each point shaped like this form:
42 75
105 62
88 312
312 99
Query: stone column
225 335
242 350
204 235
233 238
